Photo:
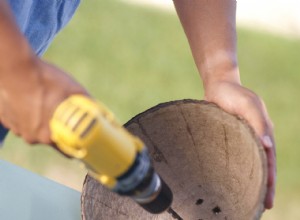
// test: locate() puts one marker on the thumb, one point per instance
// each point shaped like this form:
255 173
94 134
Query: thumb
258 118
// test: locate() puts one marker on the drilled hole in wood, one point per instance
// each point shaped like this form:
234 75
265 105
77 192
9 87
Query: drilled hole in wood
174 214
217 210
199 201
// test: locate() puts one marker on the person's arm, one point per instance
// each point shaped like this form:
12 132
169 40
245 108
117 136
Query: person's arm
211 31
30 89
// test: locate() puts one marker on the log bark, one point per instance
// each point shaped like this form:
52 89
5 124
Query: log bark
212 161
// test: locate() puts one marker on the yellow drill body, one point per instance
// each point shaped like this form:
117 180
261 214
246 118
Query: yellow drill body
86 130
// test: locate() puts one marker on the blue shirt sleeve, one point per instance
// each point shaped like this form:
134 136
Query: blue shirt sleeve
40 21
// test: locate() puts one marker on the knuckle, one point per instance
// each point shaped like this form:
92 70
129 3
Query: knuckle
44 134
44 138
30 139
252 99
39 135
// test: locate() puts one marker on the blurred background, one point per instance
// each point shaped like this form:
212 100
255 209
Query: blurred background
132 56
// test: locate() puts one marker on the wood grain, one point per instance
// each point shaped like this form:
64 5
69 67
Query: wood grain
212 161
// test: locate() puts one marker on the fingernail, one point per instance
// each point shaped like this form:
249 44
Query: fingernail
267 142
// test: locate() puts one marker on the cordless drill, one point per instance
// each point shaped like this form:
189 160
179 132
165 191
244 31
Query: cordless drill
86 130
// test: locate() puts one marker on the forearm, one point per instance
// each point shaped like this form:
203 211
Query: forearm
15 51
210 29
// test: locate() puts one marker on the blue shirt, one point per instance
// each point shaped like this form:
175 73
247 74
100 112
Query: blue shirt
40 21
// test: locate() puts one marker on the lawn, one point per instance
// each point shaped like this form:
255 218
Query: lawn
132 58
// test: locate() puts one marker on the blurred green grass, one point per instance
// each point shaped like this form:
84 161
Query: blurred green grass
133 58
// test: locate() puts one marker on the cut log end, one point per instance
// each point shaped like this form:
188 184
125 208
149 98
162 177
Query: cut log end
212 161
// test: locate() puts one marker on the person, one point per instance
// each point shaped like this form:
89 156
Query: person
31 88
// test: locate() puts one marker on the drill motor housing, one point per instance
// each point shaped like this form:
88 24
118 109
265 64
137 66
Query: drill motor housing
86 130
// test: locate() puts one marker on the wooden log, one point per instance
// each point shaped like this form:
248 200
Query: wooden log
212 161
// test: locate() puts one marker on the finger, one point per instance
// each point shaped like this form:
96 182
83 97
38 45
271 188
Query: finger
258 118
270 149
55 147
271 157
10 126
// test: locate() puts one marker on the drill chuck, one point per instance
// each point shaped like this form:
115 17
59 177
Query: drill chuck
144 185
